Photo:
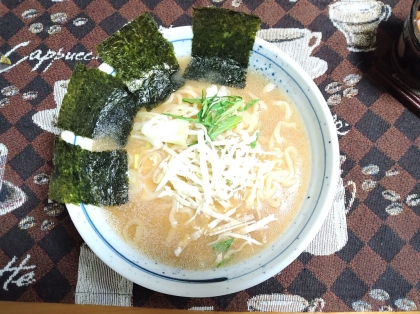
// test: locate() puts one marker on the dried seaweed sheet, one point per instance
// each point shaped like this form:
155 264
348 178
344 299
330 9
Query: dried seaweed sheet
81 176
143 59
97 105
221 46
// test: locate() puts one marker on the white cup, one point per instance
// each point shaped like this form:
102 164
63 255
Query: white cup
296 42
358 20
299 44
3 158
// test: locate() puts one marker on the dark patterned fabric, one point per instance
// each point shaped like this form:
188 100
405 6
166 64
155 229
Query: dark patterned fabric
39 245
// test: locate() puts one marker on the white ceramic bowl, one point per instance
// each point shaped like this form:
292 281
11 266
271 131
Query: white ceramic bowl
299 87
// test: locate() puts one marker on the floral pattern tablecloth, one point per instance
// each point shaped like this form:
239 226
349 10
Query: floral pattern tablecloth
368 257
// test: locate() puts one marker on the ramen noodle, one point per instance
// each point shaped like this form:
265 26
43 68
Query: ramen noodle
197 202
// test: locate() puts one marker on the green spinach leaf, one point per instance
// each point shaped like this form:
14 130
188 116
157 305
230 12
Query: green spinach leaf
81 176
222 43
143 59
222 247
97 105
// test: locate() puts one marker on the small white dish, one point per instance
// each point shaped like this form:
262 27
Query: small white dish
299 87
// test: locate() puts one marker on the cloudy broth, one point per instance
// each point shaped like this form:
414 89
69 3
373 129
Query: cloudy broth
144 223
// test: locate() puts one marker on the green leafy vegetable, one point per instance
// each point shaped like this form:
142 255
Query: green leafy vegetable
156 87
217 114
143 59
97 105
221 46
254 143
81 176
216 70
224 261
222 247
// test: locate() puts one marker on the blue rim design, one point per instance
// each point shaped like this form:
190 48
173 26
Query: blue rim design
138 266
221 279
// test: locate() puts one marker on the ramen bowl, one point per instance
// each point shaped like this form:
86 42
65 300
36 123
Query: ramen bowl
92 224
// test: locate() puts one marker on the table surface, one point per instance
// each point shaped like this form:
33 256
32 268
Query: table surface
378 268
51 308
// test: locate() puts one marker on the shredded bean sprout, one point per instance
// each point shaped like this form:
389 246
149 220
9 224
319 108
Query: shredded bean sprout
203 175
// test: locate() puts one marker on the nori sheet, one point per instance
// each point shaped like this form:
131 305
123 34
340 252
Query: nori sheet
143 59
221 46
98 105
82 176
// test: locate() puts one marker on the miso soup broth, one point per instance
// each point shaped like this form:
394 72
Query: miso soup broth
235 216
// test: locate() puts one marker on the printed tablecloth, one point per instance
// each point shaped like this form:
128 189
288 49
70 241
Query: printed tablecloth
366 256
